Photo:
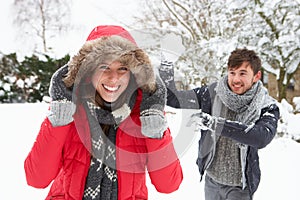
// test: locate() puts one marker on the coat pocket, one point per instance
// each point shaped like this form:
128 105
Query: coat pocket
139 197
58 196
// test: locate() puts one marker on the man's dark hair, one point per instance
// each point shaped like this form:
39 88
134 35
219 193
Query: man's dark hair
238 56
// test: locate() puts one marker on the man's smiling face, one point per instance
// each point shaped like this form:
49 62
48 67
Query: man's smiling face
241 79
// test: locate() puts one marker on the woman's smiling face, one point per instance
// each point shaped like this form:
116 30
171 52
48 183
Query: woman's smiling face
111 80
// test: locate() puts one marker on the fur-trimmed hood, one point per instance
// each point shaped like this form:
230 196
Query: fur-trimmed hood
108 44
107 49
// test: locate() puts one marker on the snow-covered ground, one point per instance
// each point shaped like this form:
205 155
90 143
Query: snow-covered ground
279 161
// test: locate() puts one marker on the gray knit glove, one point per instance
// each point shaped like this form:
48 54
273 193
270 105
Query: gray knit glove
154 125
152 116
57 89
61 112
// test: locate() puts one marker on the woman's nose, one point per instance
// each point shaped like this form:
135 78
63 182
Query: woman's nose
113 75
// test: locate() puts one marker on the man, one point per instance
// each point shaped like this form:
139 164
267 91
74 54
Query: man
237 117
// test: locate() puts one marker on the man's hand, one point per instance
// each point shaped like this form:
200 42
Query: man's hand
202 120
166 73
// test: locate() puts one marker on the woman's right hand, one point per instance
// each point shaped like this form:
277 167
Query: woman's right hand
61 112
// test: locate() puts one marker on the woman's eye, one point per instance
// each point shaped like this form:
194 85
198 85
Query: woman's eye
103 67
123 69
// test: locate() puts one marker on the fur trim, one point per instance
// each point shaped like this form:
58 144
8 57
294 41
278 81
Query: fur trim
108 49
141 67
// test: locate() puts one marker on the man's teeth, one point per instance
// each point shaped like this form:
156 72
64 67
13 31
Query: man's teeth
112 89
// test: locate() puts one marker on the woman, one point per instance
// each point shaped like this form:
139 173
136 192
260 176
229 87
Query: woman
106 126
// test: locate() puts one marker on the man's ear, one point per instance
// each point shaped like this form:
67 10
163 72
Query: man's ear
257 76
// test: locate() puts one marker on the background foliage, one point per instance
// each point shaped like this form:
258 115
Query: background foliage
27 81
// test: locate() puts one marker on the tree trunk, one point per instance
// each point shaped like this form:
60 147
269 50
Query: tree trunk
272 85
281 85
297 81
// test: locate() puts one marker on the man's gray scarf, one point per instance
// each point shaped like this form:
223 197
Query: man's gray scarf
247 106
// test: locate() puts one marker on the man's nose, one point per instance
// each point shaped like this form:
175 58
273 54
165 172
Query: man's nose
236 78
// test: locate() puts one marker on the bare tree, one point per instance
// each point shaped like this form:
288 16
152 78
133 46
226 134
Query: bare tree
42 18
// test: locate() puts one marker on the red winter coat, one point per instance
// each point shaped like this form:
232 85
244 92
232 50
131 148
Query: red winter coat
59 154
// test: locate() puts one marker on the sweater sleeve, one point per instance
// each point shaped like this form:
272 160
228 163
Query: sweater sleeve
163 164
258 135
44 160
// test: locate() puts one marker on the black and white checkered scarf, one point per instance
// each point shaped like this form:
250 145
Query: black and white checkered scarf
101 182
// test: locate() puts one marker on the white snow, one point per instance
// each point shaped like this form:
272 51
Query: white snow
20 124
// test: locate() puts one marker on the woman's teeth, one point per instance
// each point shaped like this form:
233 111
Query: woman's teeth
112 89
